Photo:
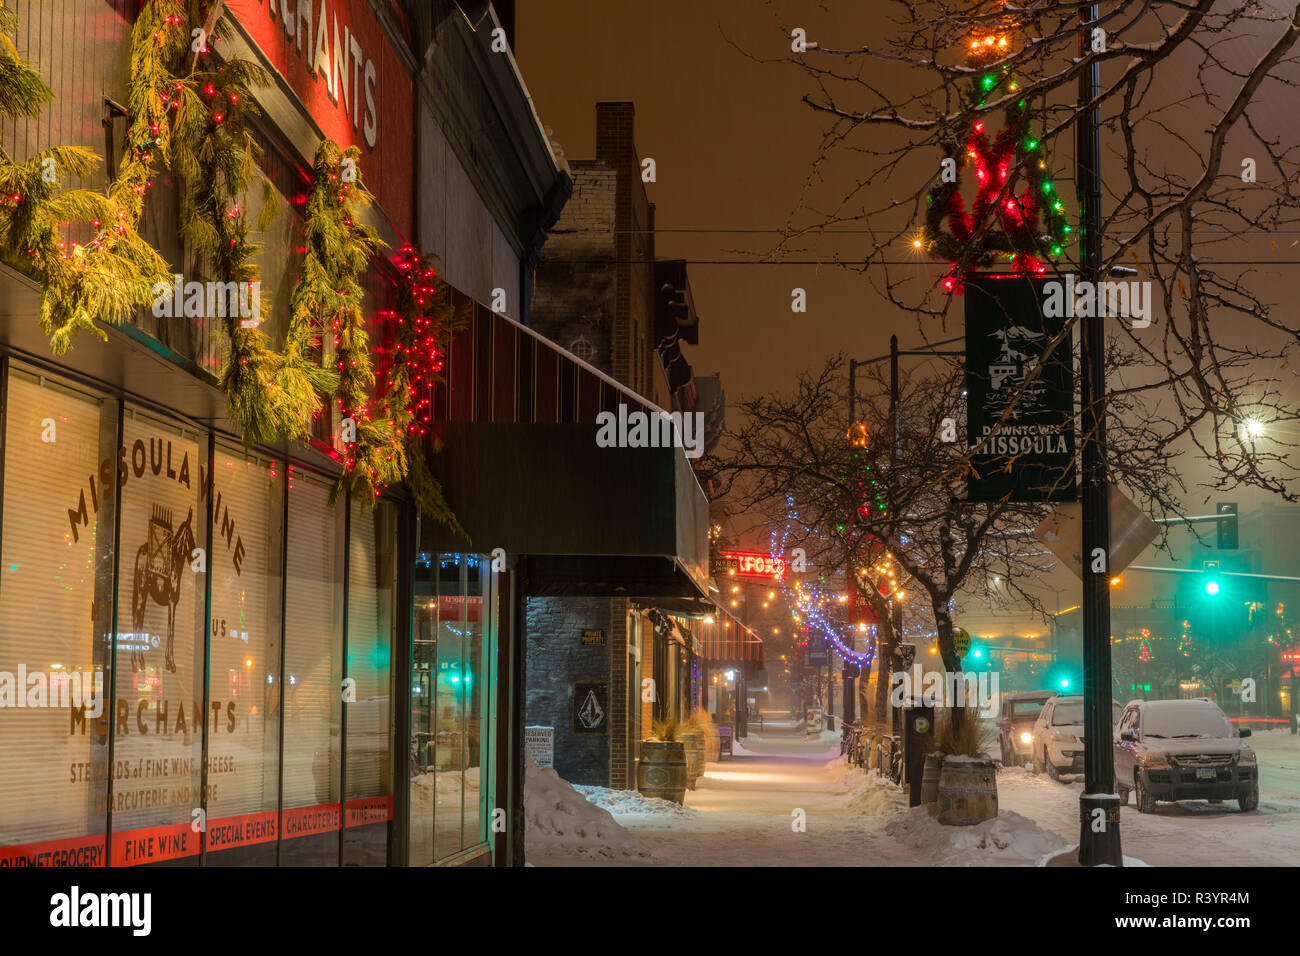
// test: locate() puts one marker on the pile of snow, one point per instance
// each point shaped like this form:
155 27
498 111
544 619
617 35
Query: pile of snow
1009 838
559 821
631 803
1069 857
870 794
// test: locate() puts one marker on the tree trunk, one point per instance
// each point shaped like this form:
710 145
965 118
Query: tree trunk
885 644
948 653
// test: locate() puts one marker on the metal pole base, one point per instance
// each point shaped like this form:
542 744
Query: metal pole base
1099 831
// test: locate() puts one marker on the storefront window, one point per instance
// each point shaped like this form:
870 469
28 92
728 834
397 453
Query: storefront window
473 683
368 771
160 710
56 605
244 669
313 674
301 601
450 683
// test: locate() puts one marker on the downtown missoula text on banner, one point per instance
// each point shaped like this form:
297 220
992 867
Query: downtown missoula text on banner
371 496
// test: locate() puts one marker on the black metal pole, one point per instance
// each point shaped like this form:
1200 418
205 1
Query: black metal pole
893 398
1099 841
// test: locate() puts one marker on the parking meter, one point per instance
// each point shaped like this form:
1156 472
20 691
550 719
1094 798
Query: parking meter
918 740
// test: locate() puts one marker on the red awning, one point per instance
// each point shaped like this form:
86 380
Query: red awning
726 639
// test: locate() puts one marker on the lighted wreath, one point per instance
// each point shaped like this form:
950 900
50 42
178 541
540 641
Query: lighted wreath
1017 219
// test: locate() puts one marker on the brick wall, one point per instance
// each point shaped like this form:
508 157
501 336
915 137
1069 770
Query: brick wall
557 659
622 756
573 287
633 247
593 291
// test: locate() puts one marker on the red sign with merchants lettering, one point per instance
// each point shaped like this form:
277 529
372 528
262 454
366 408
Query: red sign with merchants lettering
338 61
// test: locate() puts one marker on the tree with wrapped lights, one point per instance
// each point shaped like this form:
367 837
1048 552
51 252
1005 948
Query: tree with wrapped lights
878 511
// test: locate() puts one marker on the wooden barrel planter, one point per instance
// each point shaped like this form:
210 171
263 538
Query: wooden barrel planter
930 778
662 771
694 742
968 791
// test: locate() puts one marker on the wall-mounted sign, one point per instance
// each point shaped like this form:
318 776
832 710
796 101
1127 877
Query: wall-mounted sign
590 707
752 564
593 638
540 744
1029 456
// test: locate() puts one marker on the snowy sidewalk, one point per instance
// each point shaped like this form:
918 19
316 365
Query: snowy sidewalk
788 799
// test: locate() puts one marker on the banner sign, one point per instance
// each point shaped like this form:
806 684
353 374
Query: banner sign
817 651
1030 455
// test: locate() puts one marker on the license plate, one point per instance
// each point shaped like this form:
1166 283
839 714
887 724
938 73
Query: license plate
1206 773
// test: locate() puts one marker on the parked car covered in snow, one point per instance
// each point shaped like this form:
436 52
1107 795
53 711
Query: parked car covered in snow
1057 736
1016 725
1183 750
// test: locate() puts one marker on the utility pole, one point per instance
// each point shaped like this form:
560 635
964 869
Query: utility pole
1099 838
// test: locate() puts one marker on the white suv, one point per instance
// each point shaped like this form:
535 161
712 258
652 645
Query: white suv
1057 737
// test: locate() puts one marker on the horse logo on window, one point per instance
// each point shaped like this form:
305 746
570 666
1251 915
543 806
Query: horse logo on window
158 567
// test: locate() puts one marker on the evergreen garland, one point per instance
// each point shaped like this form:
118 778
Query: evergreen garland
216 156
108 277
189 116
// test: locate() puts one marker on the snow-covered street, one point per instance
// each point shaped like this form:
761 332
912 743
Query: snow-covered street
786 799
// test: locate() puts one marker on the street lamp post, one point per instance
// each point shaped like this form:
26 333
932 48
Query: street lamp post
1099 837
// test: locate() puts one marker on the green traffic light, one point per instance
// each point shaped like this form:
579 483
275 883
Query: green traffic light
1211 587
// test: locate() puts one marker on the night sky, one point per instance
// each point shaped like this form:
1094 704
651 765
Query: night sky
734 144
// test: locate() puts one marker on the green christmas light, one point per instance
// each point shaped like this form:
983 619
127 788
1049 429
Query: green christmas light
1031 144
989 80
1047 187
1056 250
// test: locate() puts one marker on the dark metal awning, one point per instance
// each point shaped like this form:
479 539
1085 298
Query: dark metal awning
590 521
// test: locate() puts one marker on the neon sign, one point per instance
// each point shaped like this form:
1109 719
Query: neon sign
752 564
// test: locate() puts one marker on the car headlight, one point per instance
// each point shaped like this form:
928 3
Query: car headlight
1155 761
1026 738
1246 758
